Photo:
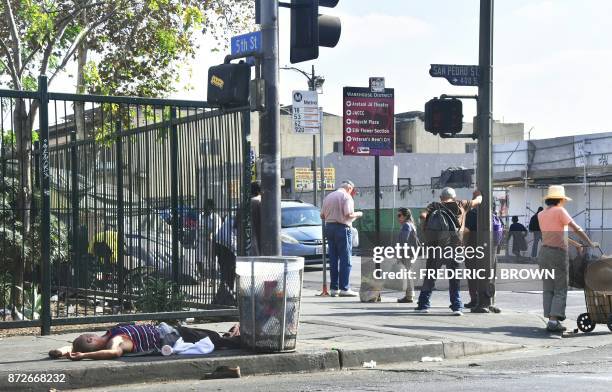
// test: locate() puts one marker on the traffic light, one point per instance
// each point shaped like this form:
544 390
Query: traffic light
309 30
444 116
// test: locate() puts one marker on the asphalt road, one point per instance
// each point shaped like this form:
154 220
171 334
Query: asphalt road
544 370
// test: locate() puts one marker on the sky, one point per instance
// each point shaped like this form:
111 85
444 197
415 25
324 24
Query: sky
552 58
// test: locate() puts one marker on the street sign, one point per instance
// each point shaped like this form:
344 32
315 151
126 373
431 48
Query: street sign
306 117
457 75
304 182
368 122
246 43
377 85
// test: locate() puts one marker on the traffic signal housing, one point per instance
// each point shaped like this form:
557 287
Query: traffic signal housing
309 30
444 116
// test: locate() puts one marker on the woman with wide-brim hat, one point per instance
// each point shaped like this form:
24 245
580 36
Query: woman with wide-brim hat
554 222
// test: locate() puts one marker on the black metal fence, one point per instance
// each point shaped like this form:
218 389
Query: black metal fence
114 209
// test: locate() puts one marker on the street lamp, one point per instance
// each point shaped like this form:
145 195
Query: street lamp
315 83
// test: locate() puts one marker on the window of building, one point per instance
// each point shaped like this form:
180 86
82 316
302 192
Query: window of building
470 148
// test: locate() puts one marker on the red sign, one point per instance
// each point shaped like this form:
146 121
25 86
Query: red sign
369 122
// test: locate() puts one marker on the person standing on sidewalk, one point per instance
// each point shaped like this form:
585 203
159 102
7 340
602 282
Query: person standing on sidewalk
338 211
407 235
443 224
470 238
554 222
534 227
518 232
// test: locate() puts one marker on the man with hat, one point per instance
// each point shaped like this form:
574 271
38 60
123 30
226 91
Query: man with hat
554 221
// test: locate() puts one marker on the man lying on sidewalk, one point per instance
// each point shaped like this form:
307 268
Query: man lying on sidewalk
140 339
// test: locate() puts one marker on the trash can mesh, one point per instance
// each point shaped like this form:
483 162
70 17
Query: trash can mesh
269 305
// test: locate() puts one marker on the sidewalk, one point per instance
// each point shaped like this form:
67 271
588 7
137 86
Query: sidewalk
335 333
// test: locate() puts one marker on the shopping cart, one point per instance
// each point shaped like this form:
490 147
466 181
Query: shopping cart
598 303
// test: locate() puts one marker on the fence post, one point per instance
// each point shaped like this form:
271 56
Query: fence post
120 211
45 219
245 244
76 260
174 197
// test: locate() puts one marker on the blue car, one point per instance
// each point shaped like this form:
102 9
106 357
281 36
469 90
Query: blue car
301 233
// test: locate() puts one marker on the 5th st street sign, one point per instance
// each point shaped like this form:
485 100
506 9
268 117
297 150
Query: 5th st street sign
457 75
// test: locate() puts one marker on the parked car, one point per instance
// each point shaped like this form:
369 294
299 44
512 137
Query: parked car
301 232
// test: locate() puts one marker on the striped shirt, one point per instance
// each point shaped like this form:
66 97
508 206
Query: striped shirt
144 337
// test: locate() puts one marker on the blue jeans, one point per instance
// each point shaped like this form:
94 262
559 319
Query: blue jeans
339 247
424 301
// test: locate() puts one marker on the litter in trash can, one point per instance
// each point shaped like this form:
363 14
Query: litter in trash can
269 294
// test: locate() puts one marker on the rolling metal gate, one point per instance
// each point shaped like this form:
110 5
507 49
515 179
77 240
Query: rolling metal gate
128 196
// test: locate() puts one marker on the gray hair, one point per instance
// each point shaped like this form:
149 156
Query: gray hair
346 183
448 193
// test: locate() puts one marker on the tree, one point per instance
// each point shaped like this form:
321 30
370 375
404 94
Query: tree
136 45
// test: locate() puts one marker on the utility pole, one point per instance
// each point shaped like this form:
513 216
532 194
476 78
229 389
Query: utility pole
312 87
486 288
270 134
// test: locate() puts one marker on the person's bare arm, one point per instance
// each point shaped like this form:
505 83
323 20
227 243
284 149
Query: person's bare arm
422 217
355 215
583 236
476 198
117 346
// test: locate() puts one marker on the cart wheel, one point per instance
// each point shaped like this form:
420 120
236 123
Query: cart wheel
610 322
585 323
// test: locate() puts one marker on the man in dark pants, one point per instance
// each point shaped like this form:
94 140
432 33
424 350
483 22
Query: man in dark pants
534 227
470 238
225 249
457 209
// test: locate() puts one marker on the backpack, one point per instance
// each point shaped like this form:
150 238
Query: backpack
442 227
498 229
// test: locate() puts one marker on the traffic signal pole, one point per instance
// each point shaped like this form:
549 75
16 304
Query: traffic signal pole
270 134
486 287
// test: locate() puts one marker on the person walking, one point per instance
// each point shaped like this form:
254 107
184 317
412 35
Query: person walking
517 232
554 222
450 213
338 211
407 235
534 227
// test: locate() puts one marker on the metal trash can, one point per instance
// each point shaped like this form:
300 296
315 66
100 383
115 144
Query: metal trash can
269 293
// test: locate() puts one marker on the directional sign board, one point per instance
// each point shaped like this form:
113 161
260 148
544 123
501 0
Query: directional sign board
306 118
457 75
246 43
369 122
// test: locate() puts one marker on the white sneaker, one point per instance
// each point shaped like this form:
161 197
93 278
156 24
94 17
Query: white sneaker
348 293
420 310
333 293
457 313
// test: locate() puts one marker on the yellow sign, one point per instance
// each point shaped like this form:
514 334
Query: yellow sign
303 179
217 81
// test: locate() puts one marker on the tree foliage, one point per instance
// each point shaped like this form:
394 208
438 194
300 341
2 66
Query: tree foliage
136 45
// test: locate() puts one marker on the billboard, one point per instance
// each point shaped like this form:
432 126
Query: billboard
303 179
368 122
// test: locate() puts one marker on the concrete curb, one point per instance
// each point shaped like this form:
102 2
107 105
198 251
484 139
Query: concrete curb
351 358
156 369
